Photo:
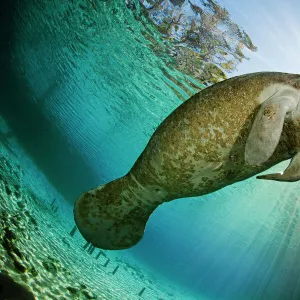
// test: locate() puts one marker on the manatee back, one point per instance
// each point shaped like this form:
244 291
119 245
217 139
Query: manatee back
207 129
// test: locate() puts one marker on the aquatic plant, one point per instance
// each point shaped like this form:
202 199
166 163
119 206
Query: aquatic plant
200 35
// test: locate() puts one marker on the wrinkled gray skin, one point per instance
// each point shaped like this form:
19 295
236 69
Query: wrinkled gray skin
224 134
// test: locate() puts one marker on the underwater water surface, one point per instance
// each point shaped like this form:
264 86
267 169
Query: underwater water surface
83 85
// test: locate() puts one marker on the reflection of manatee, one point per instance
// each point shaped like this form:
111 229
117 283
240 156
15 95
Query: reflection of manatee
224 134
10 290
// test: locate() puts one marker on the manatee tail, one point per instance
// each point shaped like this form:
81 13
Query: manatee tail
113 216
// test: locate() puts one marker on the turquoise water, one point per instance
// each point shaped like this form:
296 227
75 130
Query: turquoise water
82 90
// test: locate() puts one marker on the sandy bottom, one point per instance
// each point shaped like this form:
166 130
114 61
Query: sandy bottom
37 251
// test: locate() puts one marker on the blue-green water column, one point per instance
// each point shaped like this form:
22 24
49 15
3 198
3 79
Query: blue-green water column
78 81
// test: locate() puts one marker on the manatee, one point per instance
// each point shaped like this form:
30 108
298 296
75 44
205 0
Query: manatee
226 133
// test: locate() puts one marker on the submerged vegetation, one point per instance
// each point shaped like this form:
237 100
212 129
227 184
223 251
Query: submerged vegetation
39 258
200 36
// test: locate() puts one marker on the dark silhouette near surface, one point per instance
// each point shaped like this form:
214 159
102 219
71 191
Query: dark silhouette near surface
10 290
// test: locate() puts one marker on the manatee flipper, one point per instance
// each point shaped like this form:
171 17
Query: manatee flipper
291 173
267 126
